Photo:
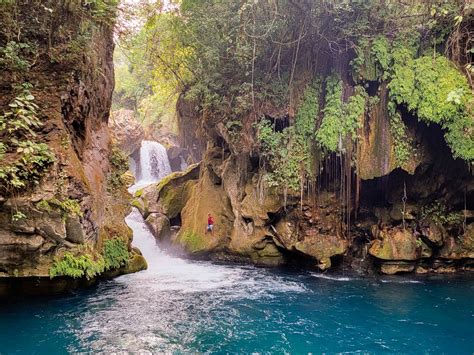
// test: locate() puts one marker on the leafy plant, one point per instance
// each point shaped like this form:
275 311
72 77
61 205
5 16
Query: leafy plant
438 93
402 145
18 216
26 159
438 213
12 56
113 256
77 266
340 119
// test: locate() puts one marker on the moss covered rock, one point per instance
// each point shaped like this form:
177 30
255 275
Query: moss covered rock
398 244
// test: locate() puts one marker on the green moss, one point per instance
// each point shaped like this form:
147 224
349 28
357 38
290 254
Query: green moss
43 205
138 193
193 242
118 167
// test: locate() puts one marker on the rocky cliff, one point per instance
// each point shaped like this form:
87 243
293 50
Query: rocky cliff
367 164
58 55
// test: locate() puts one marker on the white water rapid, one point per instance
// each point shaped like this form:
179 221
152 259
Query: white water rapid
174 297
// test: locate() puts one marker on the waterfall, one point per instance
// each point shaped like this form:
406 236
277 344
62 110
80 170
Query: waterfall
154 163
151 166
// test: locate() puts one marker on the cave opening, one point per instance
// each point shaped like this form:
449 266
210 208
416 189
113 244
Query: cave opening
176 221
279 123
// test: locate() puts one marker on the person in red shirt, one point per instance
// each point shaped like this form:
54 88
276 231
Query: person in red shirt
210 223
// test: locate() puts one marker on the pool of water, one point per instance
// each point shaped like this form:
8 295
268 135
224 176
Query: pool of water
187 306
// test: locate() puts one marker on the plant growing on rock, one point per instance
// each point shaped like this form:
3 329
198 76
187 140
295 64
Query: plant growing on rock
114 255
25 159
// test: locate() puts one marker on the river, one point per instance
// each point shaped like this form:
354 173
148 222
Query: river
184 306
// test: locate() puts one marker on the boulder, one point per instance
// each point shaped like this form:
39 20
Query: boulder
159 225
205 197
170 195
396 244
74 231
322 248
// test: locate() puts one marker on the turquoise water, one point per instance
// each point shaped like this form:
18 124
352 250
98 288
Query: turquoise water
187 306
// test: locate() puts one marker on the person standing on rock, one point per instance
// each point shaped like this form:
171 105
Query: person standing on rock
210 223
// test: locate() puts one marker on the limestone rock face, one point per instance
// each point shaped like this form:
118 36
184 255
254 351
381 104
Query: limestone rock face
205 198
377 146
73 204
127 132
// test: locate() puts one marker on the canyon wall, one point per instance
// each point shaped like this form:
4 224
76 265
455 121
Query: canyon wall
60 54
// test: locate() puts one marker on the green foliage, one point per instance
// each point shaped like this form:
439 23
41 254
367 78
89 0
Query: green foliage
234 127
44 205
13 56
340 119
115 254
287 155
308 112
102 10
77 266
26 159
402 145
18 216
372 60
68 206
438 213
438 93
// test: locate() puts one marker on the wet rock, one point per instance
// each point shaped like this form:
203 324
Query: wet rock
128 178
396 268
159 225
169 196
177 156
205 197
